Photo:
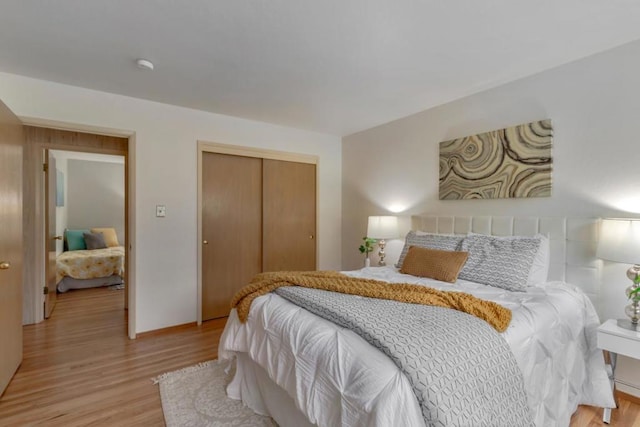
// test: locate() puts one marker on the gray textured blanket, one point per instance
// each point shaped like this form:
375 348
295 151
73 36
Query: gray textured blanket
461 370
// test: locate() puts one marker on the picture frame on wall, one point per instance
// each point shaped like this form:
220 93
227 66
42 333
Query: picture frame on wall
59 188
513 162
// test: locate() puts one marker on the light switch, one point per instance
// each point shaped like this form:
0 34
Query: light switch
161 211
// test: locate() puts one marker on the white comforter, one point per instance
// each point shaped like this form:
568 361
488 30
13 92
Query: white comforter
336 378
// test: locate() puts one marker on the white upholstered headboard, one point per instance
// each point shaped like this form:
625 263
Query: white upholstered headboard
573 242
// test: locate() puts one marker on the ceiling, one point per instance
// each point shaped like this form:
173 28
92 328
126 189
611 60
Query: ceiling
332 66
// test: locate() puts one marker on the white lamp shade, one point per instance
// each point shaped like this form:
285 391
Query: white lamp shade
620 240
382 227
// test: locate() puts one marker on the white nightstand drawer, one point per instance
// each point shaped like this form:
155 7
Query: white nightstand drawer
616 345
618 340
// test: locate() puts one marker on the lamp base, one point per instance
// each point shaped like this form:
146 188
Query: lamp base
381 244
626 324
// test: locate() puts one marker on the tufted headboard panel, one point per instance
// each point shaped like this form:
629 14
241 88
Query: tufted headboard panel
573 242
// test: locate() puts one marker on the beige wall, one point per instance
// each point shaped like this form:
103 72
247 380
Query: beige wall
165 157
95 195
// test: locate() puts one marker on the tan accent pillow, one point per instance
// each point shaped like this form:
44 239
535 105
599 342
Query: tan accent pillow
110 236
433 263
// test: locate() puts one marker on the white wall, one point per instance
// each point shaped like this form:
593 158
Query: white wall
165 159
96 195
595 108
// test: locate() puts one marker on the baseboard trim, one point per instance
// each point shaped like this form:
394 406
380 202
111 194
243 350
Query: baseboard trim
626 396
177 328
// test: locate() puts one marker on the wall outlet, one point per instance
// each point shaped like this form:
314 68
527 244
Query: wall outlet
161 211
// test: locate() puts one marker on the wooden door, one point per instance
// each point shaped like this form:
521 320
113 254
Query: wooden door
11 144
289 216
50 233
231 228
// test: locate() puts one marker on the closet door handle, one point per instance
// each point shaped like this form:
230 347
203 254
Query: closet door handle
4 265
205 242
311 236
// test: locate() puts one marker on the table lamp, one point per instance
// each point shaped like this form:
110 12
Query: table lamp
381 228
620 242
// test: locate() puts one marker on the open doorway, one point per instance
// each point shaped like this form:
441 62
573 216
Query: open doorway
85 211
41 140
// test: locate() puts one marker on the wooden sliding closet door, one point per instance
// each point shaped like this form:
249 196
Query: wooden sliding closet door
289 216
231 228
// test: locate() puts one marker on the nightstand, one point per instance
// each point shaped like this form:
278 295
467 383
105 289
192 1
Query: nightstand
617 341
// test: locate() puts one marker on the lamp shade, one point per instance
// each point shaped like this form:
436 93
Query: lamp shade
382 227
620 240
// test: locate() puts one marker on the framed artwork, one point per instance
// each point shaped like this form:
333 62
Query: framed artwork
513 162
59 188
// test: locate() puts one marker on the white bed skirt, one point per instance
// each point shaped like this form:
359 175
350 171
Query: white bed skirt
252 385
68 283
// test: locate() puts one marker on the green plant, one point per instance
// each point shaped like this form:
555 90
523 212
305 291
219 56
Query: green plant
634 295
367 246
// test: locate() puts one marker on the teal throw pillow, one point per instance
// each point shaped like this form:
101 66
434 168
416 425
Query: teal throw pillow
75 239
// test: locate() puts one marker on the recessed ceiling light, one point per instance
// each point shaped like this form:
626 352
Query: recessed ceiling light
144 64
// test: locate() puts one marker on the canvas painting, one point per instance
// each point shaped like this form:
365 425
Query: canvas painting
507 163
59 188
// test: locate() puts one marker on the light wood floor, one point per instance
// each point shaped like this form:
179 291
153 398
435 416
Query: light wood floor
80 369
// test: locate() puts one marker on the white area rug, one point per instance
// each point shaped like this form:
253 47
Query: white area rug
196 396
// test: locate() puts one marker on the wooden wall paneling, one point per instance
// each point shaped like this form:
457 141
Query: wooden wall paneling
231 228
289 216
76 141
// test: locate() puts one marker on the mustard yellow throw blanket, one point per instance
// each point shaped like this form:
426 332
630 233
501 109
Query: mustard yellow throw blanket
263 283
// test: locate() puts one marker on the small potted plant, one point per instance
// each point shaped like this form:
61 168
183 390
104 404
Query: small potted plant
633 293
366 248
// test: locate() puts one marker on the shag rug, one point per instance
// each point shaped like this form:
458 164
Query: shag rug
196 397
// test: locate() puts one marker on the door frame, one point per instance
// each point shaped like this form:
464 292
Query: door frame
50 197
34 233
237 150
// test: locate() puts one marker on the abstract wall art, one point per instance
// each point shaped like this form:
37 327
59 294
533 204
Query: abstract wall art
59 188
513 162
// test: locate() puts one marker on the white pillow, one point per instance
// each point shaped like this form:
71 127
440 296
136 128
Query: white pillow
540 269
504 262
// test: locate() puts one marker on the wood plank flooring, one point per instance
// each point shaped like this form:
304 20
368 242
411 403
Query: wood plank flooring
80 369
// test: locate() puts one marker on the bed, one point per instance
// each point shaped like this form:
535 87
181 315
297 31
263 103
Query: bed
305 370
80 268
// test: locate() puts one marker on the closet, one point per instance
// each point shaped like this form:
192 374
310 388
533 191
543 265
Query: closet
257 214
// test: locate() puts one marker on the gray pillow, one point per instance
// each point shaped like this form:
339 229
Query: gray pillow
94 240
442 242
503 262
